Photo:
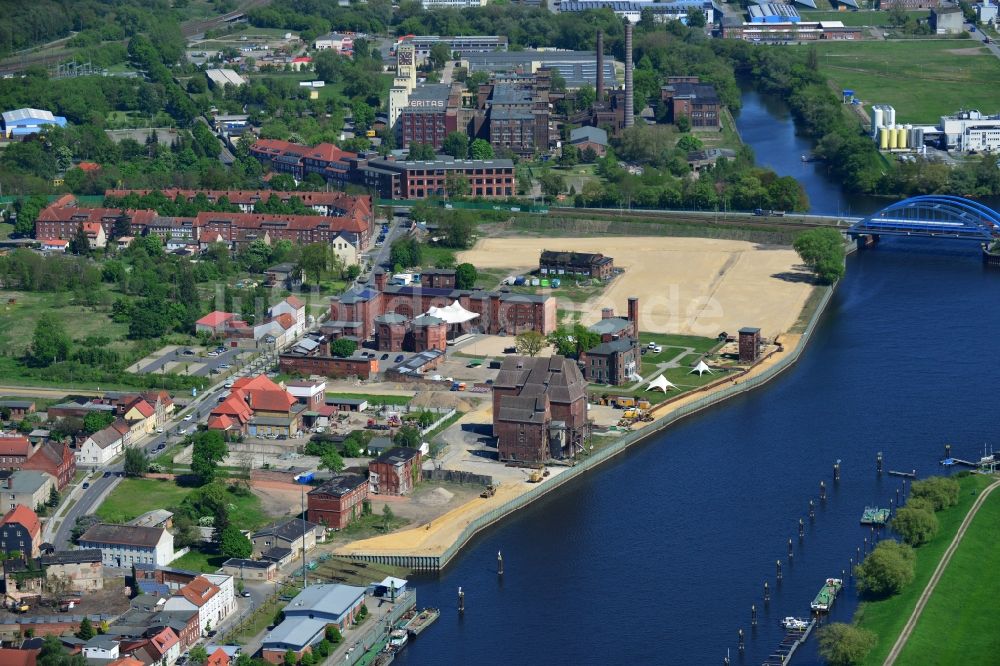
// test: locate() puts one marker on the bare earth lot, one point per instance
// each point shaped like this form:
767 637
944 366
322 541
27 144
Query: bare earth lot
692 286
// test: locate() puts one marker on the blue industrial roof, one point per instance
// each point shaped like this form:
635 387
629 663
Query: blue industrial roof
295 632
329 601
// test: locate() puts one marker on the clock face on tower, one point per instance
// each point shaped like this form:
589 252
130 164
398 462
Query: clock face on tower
405 57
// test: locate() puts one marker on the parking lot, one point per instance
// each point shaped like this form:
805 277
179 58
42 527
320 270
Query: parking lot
194 360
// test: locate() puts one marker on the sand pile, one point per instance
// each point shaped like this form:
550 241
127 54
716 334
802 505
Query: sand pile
441 399
437 497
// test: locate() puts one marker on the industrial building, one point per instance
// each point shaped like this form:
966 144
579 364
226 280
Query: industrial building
773 12
971 130
579 264
25 122
397 179
430 114
451 4
220 78
631 10
687 96
787 32
947 20
462 45
513 112
575 67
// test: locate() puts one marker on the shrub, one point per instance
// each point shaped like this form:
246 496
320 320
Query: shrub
845 644
917 525
941 491
887 570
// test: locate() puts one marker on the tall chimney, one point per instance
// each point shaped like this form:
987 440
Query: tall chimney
629 111
633 314
600 66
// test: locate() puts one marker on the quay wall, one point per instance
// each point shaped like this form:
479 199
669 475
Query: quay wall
438 562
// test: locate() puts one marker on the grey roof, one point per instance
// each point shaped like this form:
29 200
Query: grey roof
131 535
272 420
588 133
390 318
105 438
102 642
511 114
749 329
26 481
426 320
576 67
380 444
442 164
418 361
17 404
509 94
289 530
275 554
327 601
152 518
18 115
295 633
523 409
334 400
613 347
431 92
340 485
237 562
609 326
397 455
356 295
702 92
71 557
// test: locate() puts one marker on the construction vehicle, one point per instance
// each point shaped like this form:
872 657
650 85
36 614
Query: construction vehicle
535 476
631 413
20 607
623 401
489 491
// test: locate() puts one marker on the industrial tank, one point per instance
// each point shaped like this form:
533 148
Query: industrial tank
918 137
877 120
893 138
883 138
904 135
889 115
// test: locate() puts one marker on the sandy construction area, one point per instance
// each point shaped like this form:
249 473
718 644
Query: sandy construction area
695 286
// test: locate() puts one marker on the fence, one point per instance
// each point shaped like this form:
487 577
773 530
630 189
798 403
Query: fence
480 523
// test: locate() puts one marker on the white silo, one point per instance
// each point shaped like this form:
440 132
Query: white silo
889 114
876 119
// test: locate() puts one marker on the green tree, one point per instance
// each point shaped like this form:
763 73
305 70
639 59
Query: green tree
440 54
79 244
887 570
480 149
552 182
456 184
290 658
53 497
332 461
845 644
342 347
456 144
198 654
333 634
53 653
363 115
457 229
314 259
86 631
683 123
941 492
209 448
27 212
50 344
822 250
234 544
465 276
95 421
696 18
529 343
916 524
422 151
136 462
570 155
689 142
387 517
407 436
585 97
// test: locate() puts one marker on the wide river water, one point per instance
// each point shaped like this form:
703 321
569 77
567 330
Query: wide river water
657 557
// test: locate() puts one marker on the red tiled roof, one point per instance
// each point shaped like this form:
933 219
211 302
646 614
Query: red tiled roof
24 516
88 166
353 221
144 407
16 445
199 591
302 59
56 212
221 422
13 657
295 302
126 661
285 320
260 382
54 242
218 658
215 318
164 640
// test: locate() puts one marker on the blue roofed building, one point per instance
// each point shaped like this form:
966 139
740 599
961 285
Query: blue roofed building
24 122
308 615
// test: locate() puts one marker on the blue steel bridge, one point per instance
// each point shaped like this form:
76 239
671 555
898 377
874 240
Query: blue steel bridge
932 215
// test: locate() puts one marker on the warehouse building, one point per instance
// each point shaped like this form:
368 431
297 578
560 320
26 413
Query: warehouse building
25 122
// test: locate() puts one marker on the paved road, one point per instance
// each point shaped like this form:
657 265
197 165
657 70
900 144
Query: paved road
981 36
932 583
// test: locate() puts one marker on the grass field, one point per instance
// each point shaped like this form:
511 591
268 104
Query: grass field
6 230
134 497
17 321
198 560
922 79
375 398
958 624
888 616
681 377
864 18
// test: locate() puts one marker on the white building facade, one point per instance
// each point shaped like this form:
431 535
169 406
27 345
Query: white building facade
971 130
124 545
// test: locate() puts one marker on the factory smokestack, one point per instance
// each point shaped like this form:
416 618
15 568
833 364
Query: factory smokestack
629 110
600 66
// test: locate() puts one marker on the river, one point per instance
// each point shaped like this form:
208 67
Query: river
657 557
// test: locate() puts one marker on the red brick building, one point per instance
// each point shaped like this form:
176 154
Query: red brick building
698 101
438 278
576 264
390 332
430 115
325 159
14 452
539 409
62 218
18 408
749 344
327 366
393 472
333 203
56 459
338 501
394 179
427 332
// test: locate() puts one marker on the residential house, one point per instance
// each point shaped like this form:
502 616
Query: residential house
287 275
18 408
393 472
308 615
96 237
253 570
54 458
218 658
344 250
53 244
124 545
162 647
28 487
290 533
101 447
337 502
83 569
257 406
212 601
296 309
22 577
616 362
138 409
14 451
214 323
582 264
20 532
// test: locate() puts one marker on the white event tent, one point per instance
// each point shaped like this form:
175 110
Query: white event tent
452 314
702 368
661 383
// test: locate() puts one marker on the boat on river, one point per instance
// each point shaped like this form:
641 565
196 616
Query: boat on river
795 623
827 594
421 621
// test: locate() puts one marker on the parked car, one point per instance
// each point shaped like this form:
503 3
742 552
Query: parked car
161 446
657 349
399 359
107 474
246 594
385 356
85 485
189 417
188 352
651 345
159 431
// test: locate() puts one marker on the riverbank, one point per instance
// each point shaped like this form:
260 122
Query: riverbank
432 546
